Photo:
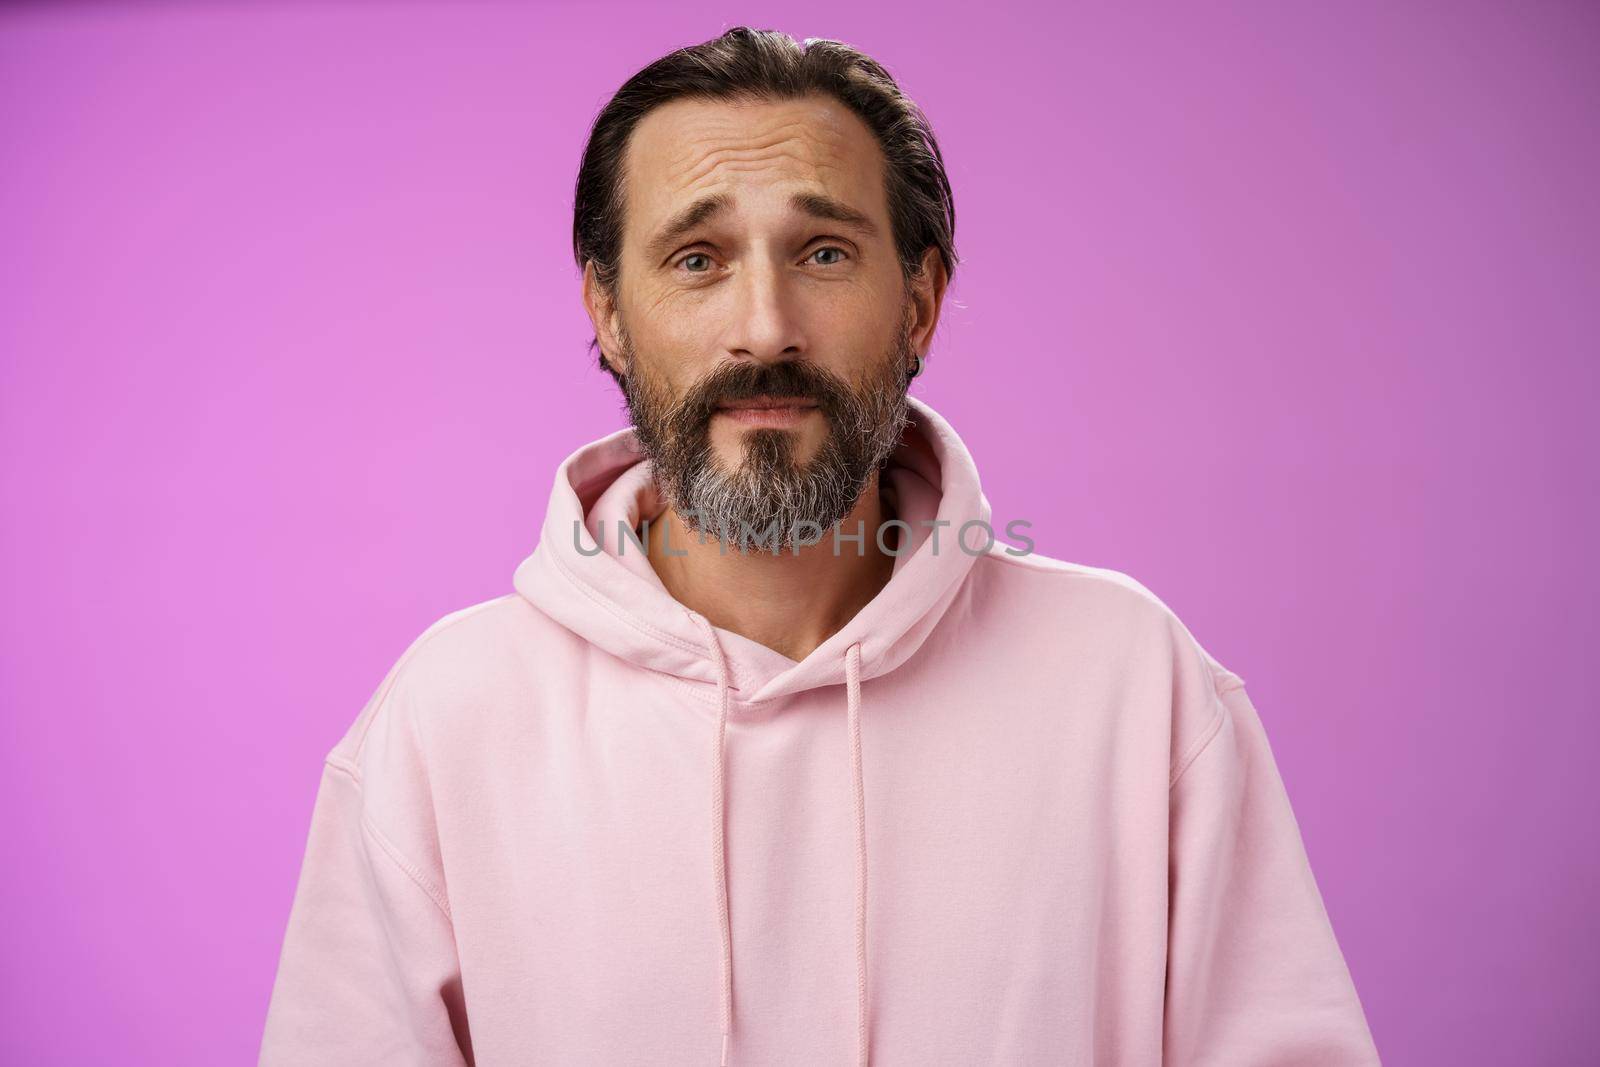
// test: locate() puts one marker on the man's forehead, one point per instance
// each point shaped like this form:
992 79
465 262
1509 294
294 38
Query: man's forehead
687 149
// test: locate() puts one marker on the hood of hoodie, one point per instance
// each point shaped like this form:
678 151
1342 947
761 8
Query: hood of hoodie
607 592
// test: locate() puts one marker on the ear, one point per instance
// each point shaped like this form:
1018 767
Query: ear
603 316
927 295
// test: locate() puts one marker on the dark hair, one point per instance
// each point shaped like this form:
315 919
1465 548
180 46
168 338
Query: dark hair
747 64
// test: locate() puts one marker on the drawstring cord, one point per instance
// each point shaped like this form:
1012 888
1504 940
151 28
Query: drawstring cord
852 706
719 860
719 848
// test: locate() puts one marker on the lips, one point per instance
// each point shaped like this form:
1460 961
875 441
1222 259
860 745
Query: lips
768 403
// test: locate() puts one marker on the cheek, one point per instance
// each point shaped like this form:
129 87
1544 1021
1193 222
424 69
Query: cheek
669 334
839 319
677 367
864 311
853 327
682 324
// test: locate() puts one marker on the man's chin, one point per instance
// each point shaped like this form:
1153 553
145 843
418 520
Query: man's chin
734 450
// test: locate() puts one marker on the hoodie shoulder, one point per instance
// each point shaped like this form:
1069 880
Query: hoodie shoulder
1105 591
1129 624
391 750
436 669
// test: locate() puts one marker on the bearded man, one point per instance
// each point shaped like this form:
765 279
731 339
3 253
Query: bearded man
763 760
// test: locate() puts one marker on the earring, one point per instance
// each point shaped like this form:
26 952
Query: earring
916 368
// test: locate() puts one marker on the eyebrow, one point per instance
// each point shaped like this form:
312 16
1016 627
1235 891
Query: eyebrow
813 205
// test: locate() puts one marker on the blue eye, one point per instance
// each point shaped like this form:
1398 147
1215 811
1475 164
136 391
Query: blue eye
828 248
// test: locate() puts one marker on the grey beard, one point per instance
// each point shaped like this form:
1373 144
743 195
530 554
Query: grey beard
771 502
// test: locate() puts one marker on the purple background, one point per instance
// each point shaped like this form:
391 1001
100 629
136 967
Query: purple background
1287 310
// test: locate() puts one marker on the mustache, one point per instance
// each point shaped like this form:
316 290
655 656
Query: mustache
741 381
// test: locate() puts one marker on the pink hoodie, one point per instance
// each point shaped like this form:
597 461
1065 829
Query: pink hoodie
1011 814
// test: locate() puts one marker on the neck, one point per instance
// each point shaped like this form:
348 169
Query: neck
792 600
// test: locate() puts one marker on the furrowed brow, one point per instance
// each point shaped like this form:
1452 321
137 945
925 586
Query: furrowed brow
815 205
819 206
696 214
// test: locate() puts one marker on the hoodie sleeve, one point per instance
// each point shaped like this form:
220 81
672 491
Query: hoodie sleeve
1255 976
368 973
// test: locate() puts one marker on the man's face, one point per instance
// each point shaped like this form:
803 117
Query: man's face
789 289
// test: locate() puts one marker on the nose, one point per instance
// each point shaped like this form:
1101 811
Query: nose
765 323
